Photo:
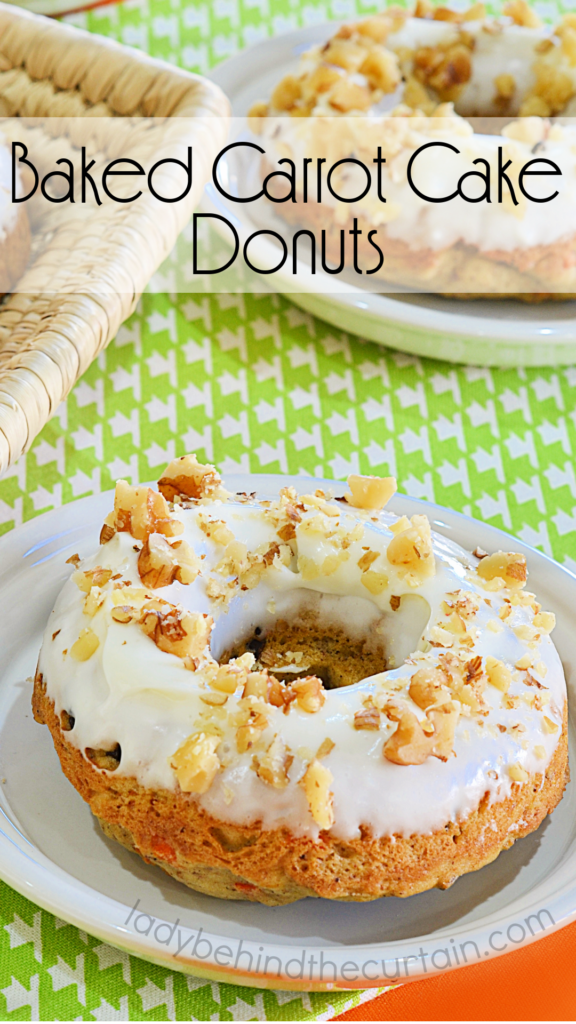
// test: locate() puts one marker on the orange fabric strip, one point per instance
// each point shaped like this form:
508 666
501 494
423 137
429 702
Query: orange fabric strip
537 982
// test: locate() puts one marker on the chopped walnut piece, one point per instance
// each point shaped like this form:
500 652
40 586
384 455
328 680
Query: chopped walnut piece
310 693
286 93
522 14
196 763
141 511
444 721
375 582
370 492
381 69
505 86
409 744
94 600
316 784
545 621
517 773
325 748
509 566
250 731
366 560
235 673
85 646
268 688
107 531
175 631
161 562
479 552
498 674
548 725
187 478
368 718
73 560
274 766
125 614
395 602
428 688
97 577
410 551
540 752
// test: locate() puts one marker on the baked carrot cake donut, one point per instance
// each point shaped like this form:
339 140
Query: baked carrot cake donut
397 83
279 697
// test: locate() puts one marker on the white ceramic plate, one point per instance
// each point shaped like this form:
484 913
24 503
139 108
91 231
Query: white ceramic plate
498 333
52 851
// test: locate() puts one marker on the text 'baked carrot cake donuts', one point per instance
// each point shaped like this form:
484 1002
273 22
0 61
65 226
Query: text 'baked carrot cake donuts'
474 217
301 696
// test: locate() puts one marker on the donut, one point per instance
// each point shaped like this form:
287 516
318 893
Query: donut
402 81
279 697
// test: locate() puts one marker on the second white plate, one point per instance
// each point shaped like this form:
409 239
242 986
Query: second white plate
502 332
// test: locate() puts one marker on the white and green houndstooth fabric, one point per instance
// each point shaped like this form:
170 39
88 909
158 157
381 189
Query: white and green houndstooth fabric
254 384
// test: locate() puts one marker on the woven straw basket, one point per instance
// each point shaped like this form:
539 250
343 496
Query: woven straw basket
86 274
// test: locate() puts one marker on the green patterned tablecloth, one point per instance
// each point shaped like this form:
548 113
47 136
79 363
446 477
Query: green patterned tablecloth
254 384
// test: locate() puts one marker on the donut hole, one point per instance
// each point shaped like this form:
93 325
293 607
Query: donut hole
339 639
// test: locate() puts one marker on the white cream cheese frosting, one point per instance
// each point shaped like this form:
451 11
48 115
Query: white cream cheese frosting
122 688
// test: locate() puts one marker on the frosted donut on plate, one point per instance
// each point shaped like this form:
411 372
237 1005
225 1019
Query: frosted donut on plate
279 697
409 80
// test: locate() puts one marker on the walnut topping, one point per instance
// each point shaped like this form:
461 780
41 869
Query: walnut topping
250 731
236 673
325 748
196 763
175 631
508 566
274 766
141 511
366 560
368 718
73 560
522 14
370 492
505 86
85 646
428 688
161 562
413 742
375 582
409 743
187 478
517 773
125 614
216 530
94 600
316 784
97 577
107 531
498 674
309 693
545 621
268 688
380 67
548 725
540 752
410 550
